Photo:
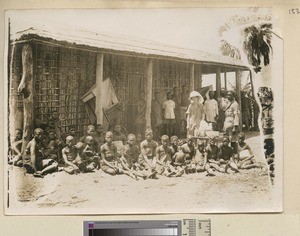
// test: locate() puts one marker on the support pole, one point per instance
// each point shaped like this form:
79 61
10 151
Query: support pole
238 78
99 81
149 79
218 81
192 77
26 87
225 80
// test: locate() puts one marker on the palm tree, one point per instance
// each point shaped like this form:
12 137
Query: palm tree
229 50
257 45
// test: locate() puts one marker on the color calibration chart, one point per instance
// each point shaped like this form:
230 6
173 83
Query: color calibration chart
185 227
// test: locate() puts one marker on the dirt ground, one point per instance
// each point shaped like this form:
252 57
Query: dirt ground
99 193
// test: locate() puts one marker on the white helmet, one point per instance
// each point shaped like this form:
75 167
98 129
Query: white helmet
195 94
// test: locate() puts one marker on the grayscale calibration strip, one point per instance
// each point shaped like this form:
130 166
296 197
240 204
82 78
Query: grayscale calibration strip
188 227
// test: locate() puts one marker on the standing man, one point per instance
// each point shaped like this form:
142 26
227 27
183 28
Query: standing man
169 115
211 110
231 123
156 116
222 104
176 98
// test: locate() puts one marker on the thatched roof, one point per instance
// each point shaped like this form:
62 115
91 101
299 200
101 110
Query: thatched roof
101 42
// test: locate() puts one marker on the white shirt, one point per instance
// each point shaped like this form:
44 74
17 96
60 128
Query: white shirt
169 107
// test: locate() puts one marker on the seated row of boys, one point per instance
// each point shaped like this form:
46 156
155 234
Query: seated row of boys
172 158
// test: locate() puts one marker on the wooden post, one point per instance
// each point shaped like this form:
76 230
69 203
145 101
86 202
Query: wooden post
238 94
99 81
251 82
149 79
225 80
200 76
26 87
218 81
192 77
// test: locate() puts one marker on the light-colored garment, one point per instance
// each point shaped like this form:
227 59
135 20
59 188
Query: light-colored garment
222 103
231 115
169 107
195 114
211 110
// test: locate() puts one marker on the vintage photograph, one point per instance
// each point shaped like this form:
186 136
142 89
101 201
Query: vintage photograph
122 111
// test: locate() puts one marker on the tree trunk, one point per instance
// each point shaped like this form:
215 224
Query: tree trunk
26 87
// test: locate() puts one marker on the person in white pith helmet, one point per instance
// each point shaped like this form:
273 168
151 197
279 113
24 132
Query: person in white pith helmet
195 112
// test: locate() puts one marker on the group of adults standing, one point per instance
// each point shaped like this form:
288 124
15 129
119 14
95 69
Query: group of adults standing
182 113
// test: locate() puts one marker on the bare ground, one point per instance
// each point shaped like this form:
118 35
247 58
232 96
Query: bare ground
249 190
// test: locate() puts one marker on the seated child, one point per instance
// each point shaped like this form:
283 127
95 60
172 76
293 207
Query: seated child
91 158
244 157
148 151
189 149
163 158
34 159
99 136
129 158
184 156
199 162
174 146
147 158
16 147
118 135
72 157
111 164
90 131
50 144
212 151
226 155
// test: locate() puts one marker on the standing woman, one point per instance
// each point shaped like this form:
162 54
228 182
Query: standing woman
195 113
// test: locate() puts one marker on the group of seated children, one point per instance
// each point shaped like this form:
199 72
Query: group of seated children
147 159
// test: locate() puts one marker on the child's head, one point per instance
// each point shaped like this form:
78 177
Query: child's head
149 134
117 129
165 140
89 140
175 90
212 141
79 146
52 134
99 128
72 130
241 138
225 141
190 141
90 130
70 141
138 137
201 145
230 95
109 137
169 95
18 134
131 139
38 134
174 140
211 94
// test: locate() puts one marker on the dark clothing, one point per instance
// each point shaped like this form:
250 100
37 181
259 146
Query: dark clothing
226 153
